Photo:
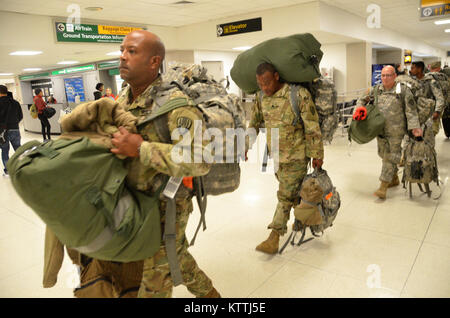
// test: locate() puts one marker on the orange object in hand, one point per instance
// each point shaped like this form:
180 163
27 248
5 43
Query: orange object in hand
188 182
360 113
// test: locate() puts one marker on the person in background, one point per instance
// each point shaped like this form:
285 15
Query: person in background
10 116
431 89
40 105
299 143
109 94
99 91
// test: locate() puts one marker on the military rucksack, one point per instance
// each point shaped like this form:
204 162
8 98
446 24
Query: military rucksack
79 191
420 165
220 110
425 106
324 95
320 202
444 84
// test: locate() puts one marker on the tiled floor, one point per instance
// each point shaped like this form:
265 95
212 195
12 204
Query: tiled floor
396 248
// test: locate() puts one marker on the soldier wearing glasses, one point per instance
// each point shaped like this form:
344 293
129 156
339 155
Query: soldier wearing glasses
396 103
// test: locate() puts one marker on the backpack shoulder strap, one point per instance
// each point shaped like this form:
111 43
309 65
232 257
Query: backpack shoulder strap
293 91
260 96
166 108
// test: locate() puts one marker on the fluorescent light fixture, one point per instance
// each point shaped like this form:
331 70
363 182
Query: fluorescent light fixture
439 22
242 48
24 53
6 74
421 55
68 62
447 30
32 69
94 8
115 53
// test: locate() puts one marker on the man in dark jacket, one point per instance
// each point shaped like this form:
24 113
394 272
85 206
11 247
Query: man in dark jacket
99 91
10 116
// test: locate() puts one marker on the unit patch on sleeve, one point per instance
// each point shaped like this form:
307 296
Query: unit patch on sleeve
184 122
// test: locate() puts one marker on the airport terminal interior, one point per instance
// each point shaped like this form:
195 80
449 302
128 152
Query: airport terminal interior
393 248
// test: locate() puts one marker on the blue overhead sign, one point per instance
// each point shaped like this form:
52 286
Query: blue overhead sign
74 89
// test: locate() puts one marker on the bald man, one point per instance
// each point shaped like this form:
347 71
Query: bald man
151 161
396 103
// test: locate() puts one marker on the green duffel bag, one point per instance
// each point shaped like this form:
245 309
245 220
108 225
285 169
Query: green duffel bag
78 189
364 131
295 57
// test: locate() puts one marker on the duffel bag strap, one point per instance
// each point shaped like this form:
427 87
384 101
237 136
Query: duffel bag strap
170 229
202 202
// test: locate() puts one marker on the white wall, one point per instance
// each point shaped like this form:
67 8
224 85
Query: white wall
180 56
359 58
335 55
276 22
226 57
389 56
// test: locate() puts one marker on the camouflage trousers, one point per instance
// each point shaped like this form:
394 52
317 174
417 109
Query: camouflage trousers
156 279
430 132
390 151
290 177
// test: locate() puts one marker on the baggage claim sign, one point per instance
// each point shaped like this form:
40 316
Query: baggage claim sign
66 32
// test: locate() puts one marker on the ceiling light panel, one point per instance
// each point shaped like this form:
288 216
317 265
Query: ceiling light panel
25 53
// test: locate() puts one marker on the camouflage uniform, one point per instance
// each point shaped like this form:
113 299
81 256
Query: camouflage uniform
146 173
400 113
297 145
432 89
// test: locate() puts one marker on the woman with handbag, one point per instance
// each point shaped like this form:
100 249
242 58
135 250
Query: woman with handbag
41 105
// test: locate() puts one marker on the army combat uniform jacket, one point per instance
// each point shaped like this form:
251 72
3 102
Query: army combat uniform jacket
432 89
298 142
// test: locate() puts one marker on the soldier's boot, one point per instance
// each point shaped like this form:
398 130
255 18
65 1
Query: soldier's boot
381 192
270 246
212 294
395 181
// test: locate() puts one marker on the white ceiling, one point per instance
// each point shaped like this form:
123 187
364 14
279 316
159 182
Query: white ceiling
402 16
399 15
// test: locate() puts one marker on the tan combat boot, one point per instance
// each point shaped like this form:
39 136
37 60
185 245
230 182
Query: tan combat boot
270 246
212 294
395 181
381 192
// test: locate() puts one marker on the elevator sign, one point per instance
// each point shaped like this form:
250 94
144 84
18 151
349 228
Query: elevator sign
434 8
239 27
66 32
